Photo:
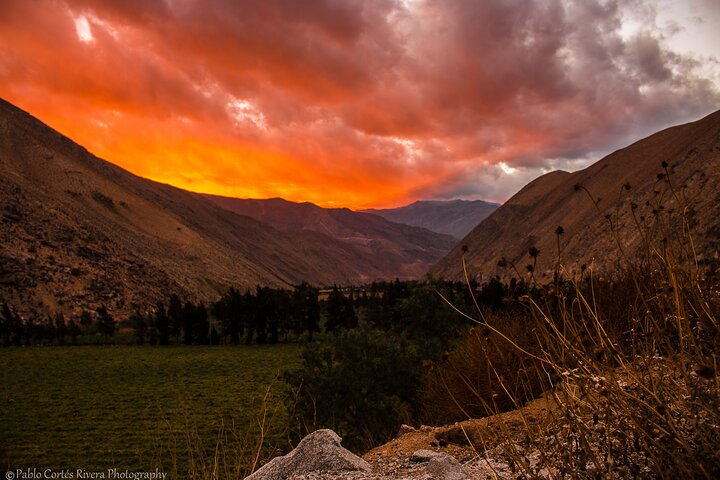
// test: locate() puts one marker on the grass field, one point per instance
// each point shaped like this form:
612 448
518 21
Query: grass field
136 407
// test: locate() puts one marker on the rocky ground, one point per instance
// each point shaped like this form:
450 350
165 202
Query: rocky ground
443 453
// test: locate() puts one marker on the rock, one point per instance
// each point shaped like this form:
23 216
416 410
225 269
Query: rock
316 456
441 466
420 456
404 430
445 467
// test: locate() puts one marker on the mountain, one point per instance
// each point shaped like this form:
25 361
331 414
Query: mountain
367 245
455 217
76 231
631 180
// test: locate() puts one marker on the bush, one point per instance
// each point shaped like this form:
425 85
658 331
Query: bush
362 383
485 374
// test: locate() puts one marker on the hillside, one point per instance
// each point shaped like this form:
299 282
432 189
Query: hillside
532 216
455 217
367 245
76 231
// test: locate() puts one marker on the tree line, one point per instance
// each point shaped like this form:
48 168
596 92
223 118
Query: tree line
262 315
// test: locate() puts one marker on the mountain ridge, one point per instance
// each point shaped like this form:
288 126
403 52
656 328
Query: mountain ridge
369 245
561 199
78 231
451 217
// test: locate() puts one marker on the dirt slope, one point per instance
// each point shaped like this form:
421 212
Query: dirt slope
370 246
532 216
76 231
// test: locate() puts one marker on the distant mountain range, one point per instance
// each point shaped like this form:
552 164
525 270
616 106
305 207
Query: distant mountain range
454 217
626 187
367 245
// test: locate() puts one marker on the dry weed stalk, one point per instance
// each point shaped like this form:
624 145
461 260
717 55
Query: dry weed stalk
633 386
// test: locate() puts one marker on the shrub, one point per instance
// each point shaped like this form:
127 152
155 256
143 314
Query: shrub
362 383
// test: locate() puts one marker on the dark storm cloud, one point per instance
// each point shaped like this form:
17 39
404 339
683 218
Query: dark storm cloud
365 102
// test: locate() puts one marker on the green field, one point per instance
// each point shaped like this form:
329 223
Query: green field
137 407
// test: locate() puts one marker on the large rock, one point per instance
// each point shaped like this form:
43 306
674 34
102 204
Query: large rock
317 455
440 466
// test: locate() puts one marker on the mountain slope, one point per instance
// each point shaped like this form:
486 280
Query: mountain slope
368 245
531 217
76 231
455 217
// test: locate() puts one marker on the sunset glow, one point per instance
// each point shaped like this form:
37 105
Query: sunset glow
358 104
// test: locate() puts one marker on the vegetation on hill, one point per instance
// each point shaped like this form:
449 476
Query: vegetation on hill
627 359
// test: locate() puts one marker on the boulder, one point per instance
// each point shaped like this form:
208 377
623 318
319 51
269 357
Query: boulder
441 466
319 454
445 467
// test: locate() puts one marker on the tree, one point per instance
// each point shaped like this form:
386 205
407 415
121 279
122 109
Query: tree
333 310
175 317
86 321
362 383
162 323
248 315
340 311
74 331
201 325
10 326
263 312
214 336
152 330
283 302
187 318
60 328
306 310
140 327
105 322
229 313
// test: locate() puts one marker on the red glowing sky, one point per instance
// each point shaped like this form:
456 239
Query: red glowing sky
358 103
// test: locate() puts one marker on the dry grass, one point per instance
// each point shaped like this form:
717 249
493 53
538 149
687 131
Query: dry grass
629 362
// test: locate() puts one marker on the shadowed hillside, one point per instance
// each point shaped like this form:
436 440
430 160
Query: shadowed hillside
77 231
368 245
623 193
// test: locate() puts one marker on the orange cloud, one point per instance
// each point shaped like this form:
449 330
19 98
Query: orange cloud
349 103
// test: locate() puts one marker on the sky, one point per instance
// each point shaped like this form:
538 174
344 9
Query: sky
359 104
